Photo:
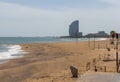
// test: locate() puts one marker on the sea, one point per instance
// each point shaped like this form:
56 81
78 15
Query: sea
10 46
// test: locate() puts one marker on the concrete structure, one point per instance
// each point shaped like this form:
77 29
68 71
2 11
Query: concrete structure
80 34
74 29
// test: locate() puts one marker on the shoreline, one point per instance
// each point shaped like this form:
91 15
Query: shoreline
29 40
10 51
47 62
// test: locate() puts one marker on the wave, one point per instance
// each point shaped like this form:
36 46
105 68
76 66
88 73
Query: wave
11 52
101 39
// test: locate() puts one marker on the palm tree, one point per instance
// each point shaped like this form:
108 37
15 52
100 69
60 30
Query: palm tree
113 35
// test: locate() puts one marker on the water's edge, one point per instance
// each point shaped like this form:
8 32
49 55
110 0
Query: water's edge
10 48
8 52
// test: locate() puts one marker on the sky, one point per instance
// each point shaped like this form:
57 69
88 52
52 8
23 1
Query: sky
53 17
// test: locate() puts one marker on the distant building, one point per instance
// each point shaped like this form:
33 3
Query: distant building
99 34
80 34
74 29
102 34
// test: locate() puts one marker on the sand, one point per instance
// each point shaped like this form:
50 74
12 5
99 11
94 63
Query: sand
50 62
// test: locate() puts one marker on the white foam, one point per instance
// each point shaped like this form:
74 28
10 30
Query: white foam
14 51
102 39
15 47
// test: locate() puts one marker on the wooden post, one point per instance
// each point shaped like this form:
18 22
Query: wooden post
89 42
106 46
76 39
94 42
117 59
95 69
105 68
117 64
99 57
98 46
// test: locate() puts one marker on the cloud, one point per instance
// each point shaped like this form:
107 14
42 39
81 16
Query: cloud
115 2
19 20
15 20
16 10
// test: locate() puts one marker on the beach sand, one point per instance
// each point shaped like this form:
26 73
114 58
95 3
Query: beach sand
50 62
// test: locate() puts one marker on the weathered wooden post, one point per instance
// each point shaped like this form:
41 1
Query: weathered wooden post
98 46
106 46
117 59
95 69
94 61
94 42
105 69
89 42
115 35
117 64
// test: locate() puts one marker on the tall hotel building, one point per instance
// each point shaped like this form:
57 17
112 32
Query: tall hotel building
74 29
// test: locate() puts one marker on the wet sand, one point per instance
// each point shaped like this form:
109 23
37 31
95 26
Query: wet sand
50 62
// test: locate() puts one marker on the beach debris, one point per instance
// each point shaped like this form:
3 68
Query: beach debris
108 58
100 68
74 72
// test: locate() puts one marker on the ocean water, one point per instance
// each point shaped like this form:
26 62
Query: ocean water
10 46
22 40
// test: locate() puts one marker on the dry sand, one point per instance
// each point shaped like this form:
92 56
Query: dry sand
50 62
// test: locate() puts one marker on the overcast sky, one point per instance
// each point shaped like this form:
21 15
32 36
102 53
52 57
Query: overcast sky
53 17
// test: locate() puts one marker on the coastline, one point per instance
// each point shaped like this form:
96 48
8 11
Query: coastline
47 62
8 52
